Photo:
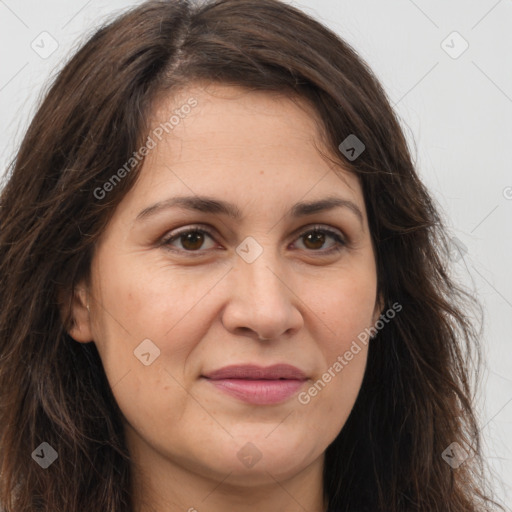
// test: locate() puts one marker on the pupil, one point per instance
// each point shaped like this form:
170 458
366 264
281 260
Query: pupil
192 240
320 237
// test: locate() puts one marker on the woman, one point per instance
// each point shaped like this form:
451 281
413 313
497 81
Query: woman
224 286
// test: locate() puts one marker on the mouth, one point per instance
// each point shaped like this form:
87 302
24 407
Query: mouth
258 385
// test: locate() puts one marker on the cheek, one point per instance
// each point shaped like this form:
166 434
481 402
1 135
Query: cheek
346 309
333 391
345 314
156 309
150 299
155 313
329 399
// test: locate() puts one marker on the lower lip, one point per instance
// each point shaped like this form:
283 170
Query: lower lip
260 392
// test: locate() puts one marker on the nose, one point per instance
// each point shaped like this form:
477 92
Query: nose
261 300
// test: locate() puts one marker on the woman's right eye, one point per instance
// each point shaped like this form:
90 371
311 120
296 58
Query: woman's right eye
191 239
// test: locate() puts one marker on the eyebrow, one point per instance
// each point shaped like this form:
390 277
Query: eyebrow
214 206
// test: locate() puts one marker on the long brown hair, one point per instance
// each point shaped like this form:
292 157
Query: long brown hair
417 396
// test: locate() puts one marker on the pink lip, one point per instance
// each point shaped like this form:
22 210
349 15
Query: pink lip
258 385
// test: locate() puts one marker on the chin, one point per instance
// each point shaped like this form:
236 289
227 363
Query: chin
263 457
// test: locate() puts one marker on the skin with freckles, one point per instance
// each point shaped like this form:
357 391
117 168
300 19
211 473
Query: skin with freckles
205 307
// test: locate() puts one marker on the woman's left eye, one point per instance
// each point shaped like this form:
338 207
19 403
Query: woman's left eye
317 236
192 239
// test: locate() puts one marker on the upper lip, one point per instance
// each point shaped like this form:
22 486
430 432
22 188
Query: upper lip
250 371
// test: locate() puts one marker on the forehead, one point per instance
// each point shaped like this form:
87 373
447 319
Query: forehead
245 145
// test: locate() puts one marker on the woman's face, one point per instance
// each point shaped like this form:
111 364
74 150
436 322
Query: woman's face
167 311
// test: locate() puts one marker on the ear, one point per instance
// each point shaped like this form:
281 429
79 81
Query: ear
80 328
379 309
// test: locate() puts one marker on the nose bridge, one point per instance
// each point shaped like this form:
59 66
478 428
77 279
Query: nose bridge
260 300
257 266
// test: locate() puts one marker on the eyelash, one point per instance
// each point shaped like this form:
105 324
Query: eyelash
341 243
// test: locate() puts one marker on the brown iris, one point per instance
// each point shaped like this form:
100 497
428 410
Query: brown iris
314 237
193 240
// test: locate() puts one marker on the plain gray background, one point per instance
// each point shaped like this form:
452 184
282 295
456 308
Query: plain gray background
455 104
